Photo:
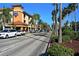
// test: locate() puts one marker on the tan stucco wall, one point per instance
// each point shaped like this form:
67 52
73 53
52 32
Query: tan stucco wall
17 9
20 16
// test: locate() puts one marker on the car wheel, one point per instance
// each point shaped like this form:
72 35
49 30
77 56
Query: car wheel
7 36
15 35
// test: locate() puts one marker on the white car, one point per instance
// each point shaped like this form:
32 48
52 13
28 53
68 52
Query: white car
19 33
7 33
23 32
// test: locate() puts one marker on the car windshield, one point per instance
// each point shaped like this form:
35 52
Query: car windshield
12 30
4 31
19 31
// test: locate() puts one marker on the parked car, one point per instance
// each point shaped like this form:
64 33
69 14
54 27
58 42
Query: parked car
32 31
7 33
14 32
23 32
19 33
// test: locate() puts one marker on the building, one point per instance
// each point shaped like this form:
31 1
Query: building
20 20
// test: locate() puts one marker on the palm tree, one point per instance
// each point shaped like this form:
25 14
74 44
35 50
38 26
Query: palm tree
63 14
5 16
75 23
60 28
72 25
44 26
0 26
75 18
54 18
73 7
36 17
31 23
66 24
40 23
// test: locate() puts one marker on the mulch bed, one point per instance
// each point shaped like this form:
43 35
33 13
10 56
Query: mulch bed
74 45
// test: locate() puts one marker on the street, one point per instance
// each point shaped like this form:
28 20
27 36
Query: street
27 45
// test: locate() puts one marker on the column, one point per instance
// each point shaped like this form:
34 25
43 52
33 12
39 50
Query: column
21 28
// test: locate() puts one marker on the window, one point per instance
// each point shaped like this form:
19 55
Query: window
24 21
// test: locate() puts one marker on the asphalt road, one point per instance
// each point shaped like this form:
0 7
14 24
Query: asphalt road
28 45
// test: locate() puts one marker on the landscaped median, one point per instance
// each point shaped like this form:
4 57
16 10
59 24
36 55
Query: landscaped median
60 50
69 46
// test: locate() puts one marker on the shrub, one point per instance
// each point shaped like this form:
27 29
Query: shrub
54 38
77 35
66 38
66 32
53 32
69 32
59 50
72 35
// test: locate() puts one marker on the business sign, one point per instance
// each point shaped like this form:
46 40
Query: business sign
15 13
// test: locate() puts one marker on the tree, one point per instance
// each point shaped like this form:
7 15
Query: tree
40 22
54 18
68 10
45 26
66 24
73 25
71 8
36 17
5 16
32 22
0 26
60 28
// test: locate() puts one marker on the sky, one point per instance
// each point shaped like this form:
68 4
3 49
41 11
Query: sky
44 10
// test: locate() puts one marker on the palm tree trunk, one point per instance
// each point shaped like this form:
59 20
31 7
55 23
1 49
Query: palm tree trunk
3 23
75 23
60 28
3 26
56 29
54 26
35 25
